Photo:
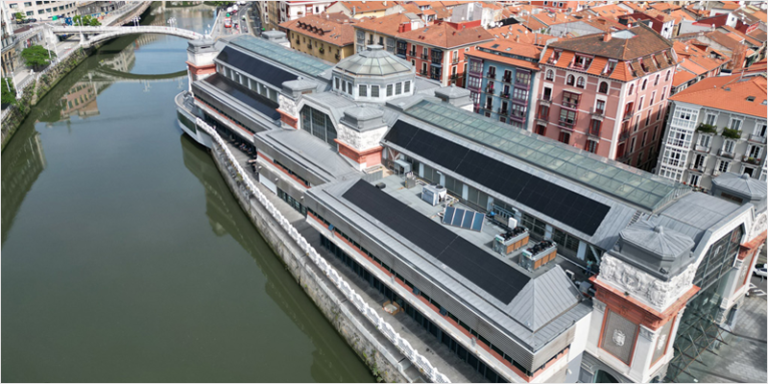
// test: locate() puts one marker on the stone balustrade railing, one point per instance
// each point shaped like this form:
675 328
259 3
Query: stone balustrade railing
385 328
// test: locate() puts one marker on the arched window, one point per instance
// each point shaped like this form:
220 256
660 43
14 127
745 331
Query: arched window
550 75
603 88
580 82
569 80
631 89
667 78
656 82
645 83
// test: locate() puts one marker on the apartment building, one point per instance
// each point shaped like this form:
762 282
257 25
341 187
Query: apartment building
607 93
717 125
44 10
329 36
278 12
502 77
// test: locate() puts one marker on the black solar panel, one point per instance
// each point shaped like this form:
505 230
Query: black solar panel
253 100
487 272
255 67
568 207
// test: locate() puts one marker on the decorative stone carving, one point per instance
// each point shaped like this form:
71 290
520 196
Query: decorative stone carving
643 286
662 342
646 333
759 225
619 337
288 106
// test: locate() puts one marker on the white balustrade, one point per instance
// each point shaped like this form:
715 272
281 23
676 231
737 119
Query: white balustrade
386 329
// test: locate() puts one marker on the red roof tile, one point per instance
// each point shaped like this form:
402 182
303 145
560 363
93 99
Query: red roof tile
728 93
445 35
333 28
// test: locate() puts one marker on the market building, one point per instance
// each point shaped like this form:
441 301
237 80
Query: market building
401 184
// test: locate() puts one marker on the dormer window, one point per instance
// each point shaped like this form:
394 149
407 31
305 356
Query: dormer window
610 67
582 62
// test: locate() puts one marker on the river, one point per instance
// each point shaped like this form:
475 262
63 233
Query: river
124 255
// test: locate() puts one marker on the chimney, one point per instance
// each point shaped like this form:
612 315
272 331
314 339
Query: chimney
517 39
607 37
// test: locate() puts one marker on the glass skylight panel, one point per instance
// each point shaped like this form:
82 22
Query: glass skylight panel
295 60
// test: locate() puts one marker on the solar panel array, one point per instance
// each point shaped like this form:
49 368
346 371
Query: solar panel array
633 185
256 68
463 218
561 204
285 56
481 268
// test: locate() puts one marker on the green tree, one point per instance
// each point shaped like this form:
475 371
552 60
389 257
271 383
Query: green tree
37 57
19 16
9 94
86 20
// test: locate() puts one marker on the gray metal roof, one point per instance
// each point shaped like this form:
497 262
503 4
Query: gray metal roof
544 298
311 153
374 61
656 239
741 184
554 292
694 213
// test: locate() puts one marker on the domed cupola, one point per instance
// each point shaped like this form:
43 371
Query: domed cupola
374 75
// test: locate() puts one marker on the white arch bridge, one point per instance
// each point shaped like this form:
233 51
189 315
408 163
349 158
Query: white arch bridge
101 33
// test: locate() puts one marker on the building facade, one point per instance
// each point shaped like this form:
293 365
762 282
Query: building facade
8 40
607 93
278 12
44 10
329 37
503 79
716 126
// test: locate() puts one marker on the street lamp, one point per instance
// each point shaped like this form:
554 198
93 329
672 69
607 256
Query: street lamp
172 22
136 21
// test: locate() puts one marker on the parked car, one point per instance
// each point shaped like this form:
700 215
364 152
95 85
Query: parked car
760 270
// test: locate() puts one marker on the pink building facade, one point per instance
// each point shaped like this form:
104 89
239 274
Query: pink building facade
607 94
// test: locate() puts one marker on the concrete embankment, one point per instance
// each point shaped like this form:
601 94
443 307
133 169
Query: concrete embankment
362 336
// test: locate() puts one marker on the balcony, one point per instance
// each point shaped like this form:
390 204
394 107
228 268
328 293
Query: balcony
696 168
545 102
503 111
757 138
489 107
491 75
424 56
505 95
489 90
455 60
623 136
628 115
567 123
424 73
570 105
506 79
701 148
751 160
724 153
598 114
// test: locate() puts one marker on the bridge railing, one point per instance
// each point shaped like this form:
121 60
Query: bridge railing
349 293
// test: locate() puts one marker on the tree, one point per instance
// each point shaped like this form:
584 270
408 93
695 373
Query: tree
20 16
9 94
86 20
37 57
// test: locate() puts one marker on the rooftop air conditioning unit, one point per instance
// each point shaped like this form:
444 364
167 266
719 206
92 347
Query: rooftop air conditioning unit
434 194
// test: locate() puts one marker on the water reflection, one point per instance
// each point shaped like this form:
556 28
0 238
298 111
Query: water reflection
22 164
333 361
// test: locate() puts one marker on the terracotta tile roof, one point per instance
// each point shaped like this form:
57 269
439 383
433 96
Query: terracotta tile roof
759 35
332 28
365 6
565 59
522 8
603 24
597 66
443 13
697 55
665 18
634 5
644 42
531 23
728 93
503 46
550 19
444 35
387 25
518 32
620 73
611 11
730 5
723 39
679 15
692 67
422 3
682 76
664 6
742 35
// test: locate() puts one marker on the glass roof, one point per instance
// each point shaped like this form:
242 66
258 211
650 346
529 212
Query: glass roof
293 59
633 185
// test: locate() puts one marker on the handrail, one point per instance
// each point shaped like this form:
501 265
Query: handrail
385 328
